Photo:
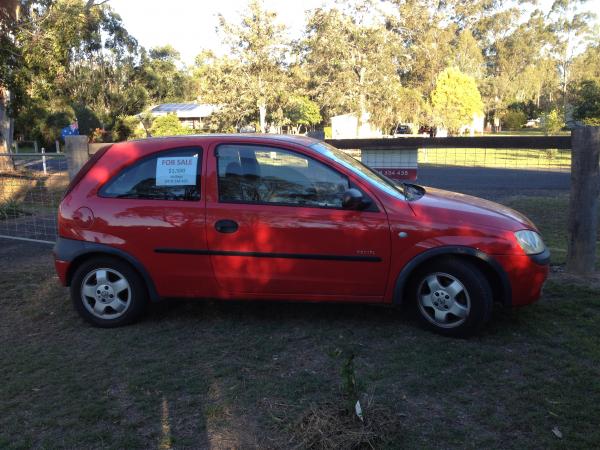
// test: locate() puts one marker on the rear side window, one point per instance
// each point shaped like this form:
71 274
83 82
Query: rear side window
168 175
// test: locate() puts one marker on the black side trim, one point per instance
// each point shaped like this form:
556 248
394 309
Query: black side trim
541 258
70 250
187 251
452 250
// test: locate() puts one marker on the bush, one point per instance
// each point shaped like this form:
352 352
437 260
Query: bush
513 120
168 125
127 127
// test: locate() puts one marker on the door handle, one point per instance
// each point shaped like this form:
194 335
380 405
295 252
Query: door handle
226 226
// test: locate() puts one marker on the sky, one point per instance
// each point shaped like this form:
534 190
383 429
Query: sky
189 25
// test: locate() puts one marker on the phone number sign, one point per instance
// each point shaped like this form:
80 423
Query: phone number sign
397 164
398 174
176 171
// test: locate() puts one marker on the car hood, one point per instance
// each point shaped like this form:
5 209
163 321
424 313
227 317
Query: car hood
454 208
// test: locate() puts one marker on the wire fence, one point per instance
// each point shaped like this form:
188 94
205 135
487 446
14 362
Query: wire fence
545 160
31 187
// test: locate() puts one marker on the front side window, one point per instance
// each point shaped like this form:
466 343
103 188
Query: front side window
359 169
256 174
169 175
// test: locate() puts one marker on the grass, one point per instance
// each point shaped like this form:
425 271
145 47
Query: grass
528 132
550 159
25 147
231 375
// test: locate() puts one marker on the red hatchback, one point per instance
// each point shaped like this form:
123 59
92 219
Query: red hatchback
284 218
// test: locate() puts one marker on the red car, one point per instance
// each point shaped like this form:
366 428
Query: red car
284 218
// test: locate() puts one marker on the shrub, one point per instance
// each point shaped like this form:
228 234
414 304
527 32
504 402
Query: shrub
552 122
168 125
513 120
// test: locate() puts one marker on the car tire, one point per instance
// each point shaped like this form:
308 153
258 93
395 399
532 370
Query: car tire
108 292
452 297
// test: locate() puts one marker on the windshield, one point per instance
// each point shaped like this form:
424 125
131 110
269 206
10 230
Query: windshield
364 172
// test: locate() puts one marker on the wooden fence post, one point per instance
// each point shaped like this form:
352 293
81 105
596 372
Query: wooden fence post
583 202
76 151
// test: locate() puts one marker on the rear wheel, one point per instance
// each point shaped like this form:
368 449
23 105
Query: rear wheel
107 292
452 297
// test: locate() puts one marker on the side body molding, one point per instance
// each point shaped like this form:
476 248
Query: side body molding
450 250
71 249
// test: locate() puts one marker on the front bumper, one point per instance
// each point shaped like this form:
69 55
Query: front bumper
526 274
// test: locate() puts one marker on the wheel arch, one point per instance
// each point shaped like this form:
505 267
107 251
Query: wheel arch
77 252
491 269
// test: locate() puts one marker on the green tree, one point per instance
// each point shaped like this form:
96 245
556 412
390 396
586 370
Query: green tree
425 40
586 102
455 100
518 71
467 55
74 55
353 65
570 26
164 77
301 111
10 57
248 83
586 66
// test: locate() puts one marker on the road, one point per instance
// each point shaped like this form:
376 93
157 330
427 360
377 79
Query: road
493 183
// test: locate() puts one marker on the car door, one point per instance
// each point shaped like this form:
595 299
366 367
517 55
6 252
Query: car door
153 210
276 227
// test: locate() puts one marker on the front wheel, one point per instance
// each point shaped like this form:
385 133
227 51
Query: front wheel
453 297
108 292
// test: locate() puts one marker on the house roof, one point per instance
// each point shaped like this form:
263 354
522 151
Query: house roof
184 110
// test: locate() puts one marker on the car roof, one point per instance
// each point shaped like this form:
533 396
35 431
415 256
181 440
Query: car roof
248 137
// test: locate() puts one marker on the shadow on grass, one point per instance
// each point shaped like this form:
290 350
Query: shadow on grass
403 319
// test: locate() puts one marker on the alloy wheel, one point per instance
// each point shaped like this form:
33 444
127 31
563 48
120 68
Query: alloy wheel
443 300
105 293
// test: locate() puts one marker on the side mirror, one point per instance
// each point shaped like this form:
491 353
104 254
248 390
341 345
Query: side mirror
353 199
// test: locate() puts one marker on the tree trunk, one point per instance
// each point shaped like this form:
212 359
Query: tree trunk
262 114
6 131
362 116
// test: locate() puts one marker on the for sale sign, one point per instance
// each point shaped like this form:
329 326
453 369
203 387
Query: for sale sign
176 171
398 164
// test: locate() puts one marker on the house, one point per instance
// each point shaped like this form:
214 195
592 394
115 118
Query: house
346 126
476 125
192 115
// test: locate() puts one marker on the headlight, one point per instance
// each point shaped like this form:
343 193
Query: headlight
530 242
